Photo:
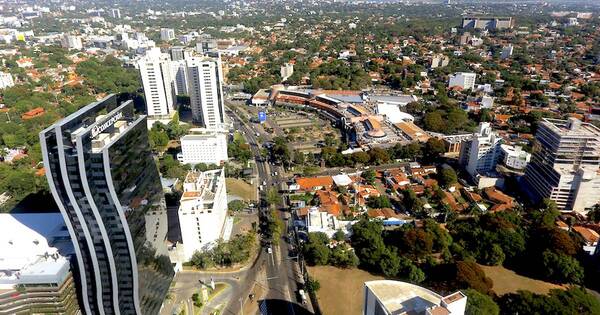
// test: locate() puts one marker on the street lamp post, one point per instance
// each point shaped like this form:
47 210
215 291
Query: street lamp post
242 305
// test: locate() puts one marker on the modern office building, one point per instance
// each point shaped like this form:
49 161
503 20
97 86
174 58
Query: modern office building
6 80
465 80
202 211
565 165
71 42
156 73
35 272
204 148
104 180
204 77
489 23
480 154
167 34
387 297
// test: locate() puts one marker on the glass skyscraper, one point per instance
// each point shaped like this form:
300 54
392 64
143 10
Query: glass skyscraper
102 175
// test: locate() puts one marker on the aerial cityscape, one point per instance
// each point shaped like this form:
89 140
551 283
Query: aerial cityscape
361 157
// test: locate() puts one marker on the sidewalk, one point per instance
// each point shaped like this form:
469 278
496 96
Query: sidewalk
259 291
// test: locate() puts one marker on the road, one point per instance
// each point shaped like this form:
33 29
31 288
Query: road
282 271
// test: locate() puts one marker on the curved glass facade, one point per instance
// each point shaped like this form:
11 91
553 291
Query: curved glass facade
104 179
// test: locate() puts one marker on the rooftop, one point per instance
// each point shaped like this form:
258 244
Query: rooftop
401 297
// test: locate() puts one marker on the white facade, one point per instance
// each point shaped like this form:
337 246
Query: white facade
6 80
507 52
565 165
388 297
514 157
116 13
286 71
202 211
28 247
178 73
155 70
322 221
167 34
466 80
71 42
439 60
480 154
207 149
204 76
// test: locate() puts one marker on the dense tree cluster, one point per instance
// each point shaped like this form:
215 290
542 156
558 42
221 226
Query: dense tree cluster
223 254
319 252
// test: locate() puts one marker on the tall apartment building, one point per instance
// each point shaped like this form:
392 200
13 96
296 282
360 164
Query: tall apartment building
156 73
167 34
439 60
204 76
35 272
565 165
480 154
6 80
489 23
465 80
178 73
204 148
286 71
202 211
104 180
179 53
115 13
387 297
71 42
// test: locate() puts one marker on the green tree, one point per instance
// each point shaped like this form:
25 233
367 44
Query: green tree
479 304
369 176
562 268
448 176
433 149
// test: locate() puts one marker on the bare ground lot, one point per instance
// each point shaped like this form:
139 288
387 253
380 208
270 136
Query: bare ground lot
240 188
341 289
507 281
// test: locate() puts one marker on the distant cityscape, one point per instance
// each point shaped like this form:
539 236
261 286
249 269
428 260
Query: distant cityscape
299 157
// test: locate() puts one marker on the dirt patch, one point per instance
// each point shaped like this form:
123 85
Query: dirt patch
507 281
240 188
341 289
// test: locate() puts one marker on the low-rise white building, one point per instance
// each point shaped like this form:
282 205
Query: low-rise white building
202 211
6 80
322 221
465 80
203 148
514 156
387 297
35 271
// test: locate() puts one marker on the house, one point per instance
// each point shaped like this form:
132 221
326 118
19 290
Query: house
498 197
314 183
38 111
590 238
328 201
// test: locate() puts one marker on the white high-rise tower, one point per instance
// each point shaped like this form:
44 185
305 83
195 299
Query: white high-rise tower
156 73
204 77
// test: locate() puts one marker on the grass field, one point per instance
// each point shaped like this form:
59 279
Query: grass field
240 188
340 285
507 281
